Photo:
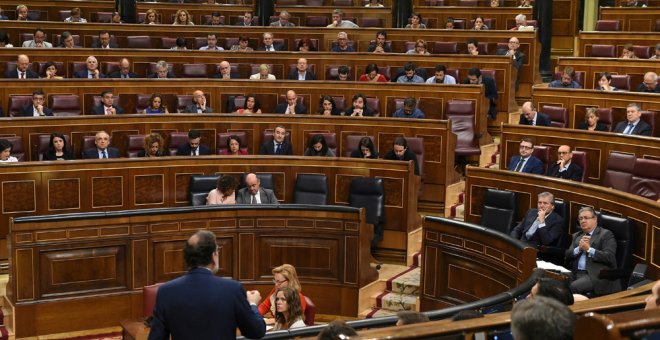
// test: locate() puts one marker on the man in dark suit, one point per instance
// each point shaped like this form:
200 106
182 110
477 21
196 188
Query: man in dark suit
517 56
92 71
104 41
37 108
530 116
246 20
474 77
253 193
225 71
22 70
633 125
525 161
107 106
162 71
541 226
199 104
291 106
124 70
201 305
268 44
193 147
279 145
102 149
400 152
564 167
650 84
592 249
301 72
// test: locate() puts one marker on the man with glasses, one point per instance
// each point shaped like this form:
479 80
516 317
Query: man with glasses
342 43
283 21
541 226
37 108
253 193
225 71
650 84
302 71
564 168
593 249
292 106
530 116
525 161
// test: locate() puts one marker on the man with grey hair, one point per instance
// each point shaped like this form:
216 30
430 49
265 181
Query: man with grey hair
593 249
521 20
656 55
541 226
338 20
650 84
342 43
633 125
283 21
92 71
542 318
162 71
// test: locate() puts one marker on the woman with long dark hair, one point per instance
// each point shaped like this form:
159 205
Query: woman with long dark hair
58 149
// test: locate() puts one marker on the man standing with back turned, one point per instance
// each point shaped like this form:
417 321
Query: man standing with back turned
200 305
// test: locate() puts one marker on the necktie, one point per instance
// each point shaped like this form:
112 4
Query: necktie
629 129
194 152
22 75
104 154
530 232
520 165
108 111
124 76
90 76
278 149
253 200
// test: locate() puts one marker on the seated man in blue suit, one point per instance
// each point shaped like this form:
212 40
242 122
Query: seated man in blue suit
92 71
37 108
107 106
201 305
634 125
279 145
102 149
541 226
302 72
292 106
193 147
530 116
525 161
564 167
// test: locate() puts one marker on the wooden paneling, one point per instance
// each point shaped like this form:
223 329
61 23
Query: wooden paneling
586 39
635 68
96 272
632 19
645 212
505 17
464 263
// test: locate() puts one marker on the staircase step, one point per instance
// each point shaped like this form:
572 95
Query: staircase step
417 259
406 282
396 302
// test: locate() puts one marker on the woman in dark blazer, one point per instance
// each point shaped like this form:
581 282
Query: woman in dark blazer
58 149
591 121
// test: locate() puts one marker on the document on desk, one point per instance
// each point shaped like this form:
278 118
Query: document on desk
551 267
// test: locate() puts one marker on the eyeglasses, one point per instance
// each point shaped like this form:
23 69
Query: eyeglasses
584 218
526 147
277 283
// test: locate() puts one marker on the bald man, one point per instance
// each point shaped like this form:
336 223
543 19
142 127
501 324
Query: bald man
302 72
199 104
22 70
530 116
253 193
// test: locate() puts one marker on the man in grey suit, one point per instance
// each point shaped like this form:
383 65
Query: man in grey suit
592 249
38 40
253 193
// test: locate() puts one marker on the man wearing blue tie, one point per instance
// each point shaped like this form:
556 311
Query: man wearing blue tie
279 145
541 226
633 125
592 249
525 160
102 149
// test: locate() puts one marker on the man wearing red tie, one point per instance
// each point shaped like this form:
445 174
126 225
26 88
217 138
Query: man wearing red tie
22 70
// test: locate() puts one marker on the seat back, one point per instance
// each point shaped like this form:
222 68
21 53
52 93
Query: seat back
149 299
621 81
463 127
619 171
605 114
200 186
182 101
645 180
311 189
194 71
499 210
351 143
649 118
222 141
542 153
624 234
580 158
167 42
17 102
310 311
368 193
374 104
17 149
643 52
460 107
371 22
608 25
65 105
416 145
445 47
134 144
177 139
558 115
138 41
603 51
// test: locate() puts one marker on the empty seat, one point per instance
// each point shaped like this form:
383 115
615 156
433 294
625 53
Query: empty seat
621 81
311 189
317 21
17 149
194 71
649 118
580 158
645 179
558 115
65 105
624 234
102 17
177 139
222 141
608 25
643 52
445 47
135 144
138 41
167 42
310 311
459 24
374 104
200 186
416 145
371 22
17 102
141 102
460 107
499 210
183 101
110 67
149 299
603 51
543 153
466 142
287 2
619 171
369 193
605 114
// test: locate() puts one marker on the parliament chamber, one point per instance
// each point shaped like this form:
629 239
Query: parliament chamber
84 239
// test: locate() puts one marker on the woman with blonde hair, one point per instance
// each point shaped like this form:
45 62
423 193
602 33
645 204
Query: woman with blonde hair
264 73
283 276
182 18
151 17
154 146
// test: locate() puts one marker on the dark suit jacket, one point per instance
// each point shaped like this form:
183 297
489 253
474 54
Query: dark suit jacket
532 166
386 47
407 156
300 108
643 88
269 148
491 93
599 126
29 74
28 111
155 75
366 112
574 172
546 236
278 47
97 44
602 240
308 75
117 74
85 74
200 305
542 119
267 196
100 110
192 108
93 153
185 150
641 129
519 57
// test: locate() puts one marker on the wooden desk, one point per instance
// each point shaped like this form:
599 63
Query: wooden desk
302 12
619 39
92 268
592 67
505 17
632 19
645 212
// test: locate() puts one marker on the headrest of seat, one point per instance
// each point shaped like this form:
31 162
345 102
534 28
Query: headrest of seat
367 186
622 228
202 183
647 168
505 199
621 162
312 183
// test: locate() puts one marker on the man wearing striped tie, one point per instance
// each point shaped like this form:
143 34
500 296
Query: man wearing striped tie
102 148
541 226
633 125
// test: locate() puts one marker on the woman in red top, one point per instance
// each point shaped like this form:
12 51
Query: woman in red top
371 74
283 276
